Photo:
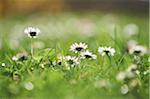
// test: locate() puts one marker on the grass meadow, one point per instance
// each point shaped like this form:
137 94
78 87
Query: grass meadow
41 70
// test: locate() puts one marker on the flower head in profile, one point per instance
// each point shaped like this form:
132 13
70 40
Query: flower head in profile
137 49
32 32
88 55
106 51
132 68
71 60
129 73
20 57
78 47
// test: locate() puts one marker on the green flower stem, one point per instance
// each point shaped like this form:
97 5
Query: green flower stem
110 60
32 51
102 65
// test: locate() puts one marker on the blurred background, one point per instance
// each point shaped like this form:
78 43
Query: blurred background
63 22
13 7
63 19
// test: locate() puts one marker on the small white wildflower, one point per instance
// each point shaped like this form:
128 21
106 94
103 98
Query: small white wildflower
106 51
71 60
132 68
20 56
32 32
131 71
87 54
138 49
28 86
124 89
3 64
78 47
121 76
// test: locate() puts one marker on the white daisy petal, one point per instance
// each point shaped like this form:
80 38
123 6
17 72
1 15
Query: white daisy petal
78 47
137 49
87 54
71 60
20 57
106 51
32 32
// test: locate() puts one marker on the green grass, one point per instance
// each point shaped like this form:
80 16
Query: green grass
58 33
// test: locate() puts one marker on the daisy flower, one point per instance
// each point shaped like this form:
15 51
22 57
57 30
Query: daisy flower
71 60
87 54
78 47
106 50
20 57
131 71
32 32
137 49
132 68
